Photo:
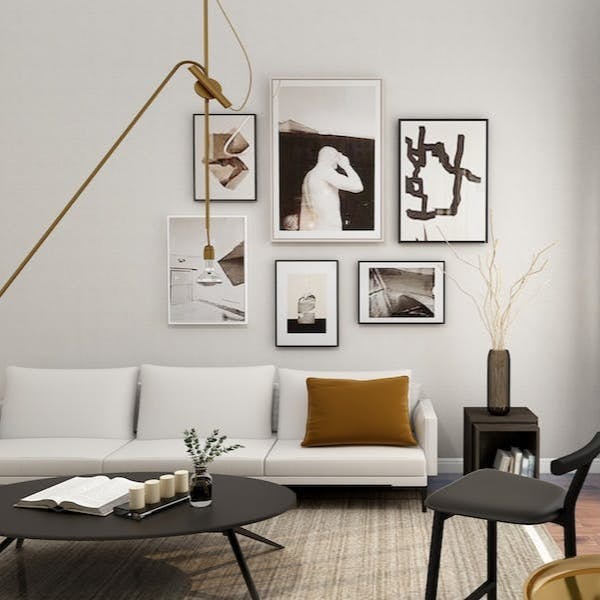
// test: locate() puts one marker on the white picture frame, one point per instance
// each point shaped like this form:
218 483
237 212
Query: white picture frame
326 160
191 303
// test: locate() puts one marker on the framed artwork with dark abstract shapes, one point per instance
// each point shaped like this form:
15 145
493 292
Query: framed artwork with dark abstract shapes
443 180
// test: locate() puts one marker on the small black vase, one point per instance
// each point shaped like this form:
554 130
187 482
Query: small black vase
201 484
498 381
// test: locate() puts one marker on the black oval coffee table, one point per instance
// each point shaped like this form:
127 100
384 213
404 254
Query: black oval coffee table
237 501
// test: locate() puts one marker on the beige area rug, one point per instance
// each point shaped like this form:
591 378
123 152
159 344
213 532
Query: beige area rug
341 544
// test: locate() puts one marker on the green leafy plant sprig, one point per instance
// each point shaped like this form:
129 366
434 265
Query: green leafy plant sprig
213 447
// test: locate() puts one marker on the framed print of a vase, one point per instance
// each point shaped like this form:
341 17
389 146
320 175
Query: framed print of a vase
306 303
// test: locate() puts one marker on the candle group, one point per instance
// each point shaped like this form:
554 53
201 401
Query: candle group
153 491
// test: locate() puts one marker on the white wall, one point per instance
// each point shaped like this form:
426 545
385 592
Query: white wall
74 72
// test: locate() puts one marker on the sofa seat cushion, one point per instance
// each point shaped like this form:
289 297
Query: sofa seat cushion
61 403
170 455
53 457
237 400
289 459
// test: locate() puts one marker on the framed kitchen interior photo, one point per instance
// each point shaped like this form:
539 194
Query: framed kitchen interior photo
443 166
306 303
396 292
189 301
232 160
326 160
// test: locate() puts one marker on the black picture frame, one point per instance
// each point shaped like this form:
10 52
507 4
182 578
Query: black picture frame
403 236
363 303
198 173
298 339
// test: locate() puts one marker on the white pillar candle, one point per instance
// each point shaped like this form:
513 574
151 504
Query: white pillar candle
182 481
167 486
137 496
152 491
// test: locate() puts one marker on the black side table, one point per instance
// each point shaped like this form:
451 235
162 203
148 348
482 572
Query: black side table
484 434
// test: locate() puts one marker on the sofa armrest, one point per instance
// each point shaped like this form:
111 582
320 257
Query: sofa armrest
425 424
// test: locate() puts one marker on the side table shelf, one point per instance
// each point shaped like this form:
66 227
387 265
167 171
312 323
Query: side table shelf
485 433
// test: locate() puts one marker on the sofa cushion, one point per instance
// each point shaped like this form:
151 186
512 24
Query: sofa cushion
82 403
289 459
237 400
170 455
293 399
350 411
53 457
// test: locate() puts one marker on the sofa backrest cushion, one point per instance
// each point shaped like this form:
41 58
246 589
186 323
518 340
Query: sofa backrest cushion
85 403
236 400
293 397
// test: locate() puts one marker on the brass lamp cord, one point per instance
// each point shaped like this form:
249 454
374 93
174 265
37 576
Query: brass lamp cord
95 171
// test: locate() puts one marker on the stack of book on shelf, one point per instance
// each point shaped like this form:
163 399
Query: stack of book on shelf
515 460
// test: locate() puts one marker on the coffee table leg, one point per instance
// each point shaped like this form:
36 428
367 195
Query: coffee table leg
258 538
235 546
6 543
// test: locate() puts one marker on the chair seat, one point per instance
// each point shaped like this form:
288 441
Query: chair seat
498 496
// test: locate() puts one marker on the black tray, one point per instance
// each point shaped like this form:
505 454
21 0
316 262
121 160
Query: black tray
137 514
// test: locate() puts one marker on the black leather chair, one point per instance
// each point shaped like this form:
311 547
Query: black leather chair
497 496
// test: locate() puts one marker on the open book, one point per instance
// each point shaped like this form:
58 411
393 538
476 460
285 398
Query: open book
89 495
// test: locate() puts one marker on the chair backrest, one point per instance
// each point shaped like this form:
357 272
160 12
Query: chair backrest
579 461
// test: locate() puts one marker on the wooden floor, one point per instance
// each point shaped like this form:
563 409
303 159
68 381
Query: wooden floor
588 511
588 516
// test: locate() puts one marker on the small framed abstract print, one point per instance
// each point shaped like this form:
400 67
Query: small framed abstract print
401 292
306 303
232 161
443 180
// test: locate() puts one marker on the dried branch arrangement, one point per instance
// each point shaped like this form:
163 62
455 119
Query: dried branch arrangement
496 306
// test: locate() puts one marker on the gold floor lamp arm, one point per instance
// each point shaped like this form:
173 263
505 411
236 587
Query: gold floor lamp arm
103 160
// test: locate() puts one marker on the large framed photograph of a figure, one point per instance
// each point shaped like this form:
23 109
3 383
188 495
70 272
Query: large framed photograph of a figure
401 292
443 180
326 160
306 303
191 300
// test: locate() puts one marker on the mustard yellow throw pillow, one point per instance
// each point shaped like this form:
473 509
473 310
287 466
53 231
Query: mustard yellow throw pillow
349 411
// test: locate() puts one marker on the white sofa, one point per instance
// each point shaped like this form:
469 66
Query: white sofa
71 422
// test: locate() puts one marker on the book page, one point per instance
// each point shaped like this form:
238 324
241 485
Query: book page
66 490
103 494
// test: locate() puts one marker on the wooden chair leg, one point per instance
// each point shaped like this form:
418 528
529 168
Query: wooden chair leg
435 555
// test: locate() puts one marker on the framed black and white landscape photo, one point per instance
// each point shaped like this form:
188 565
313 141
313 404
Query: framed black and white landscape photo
326 160
192 303
232 160
306 303
443 180
401 292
